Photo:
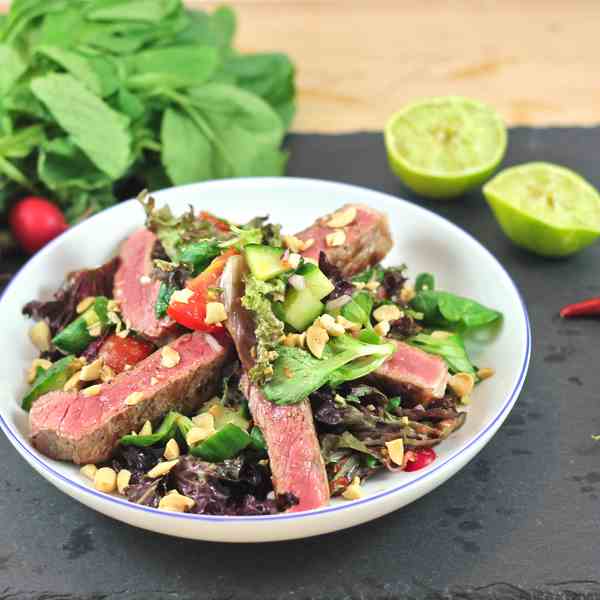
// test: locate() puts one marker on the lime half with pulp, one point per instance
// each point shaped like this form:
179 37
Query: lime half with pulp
545 208
443 147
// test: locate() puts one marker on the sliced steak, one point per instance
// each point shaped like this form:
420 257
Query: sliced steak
294 453
289 431
368 240
85 429
136 292
413 372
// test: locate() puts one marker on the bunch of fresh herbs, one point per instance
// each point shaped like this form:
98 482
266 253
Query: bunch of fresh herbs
100 98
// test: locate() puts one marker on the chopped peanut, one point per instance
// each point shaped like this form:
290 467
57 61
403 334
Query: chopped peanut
37 362
359 285
382 328
294 260
92 371
153 381
294 244
183 296
145 280
407 293
169 358
341 218
162 468
73 383
485 373
347 324
353 491
372 285
336 238
308 243
106 374
215 313
462 384
123 478
316 338
89 471
292 340
395 450
387 312
92 390
146 429
40 336
175 502
85 304
134 398
325 321
172 450
440 335
105 480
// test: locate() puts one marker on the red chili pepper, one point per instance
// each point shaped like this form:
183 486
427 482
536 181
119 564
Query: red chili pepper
420 458
587 308
220 224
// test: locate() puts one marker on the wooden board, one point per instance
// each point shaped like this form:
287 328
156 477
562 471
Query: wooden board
360 60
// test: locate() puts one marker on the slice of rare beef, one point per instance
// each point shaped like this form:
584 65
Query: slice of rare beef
367 240
136 291
294 453
414 373
289 431
85 429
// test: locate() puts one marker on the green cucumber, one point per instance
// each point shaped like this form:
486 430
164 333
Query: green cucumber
161 436
50 380
264 261
315 280
300 308
224 415
76 337
226 443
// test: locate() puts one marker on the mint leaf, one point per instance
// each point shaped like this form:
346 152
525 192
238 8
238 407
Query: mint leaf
96 128
12 66
451 349
151 11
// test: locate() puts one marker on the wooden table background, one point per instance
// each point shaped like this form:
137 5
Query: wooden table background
360 60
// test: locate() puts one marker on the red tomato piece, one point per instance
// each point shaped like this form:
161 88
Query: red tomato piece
220 224
118 352
420 458
191 314
35 221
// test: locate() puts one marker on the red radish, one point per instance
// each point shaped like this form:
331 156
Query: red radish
35 221
118 352
418 459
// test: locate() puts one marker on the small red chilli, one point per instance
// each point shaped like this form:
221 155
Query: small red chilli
586 308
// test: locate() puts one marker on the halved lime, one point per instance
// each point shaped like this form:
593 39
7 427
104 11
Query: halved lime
443 147
545 208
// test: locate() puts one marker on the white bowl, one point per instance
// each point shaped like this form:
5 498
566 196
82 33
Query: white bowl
425 241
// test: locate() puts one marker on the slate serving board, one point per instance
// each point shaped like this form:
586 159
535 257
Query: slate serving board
521 521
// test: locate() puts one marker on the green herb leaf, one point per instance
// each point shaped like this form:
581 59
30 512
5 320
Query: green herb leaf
451 349
165 291
200 254
444 308
93 126
12 66
150 11
424 281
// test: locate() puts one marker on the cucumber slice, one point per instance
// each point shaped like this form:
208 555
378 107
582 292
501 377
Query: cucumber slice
264 261
315 280
301 308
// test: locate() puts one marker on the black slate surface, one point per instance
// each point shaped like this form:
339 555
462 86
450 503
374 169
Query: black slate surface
521 521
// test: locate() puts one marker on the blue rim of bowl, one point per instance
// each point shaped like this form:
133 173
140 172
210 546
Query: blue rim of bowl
512 397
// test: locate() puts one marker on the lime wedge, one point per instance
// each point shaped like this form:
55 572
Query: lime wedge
443 147
545 208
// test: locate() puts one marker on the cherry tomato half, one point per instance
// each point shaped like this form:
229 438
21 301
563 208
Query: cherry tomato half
420 458
118 352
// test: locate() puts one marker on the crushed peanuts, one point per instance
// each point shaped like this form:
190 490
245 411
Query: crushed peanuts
172 450
92 371
169 358
146 429
145 280
105 480
37 362
336 238
294 260
372 285
382 328
485 373
294 244
183 296
347 324
395 450
387 312
123 478
215 313
134 398
175 502
407 293
316 338
162 468
89 471
343 217
296 340
40 336
353 491
92 390
462 384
